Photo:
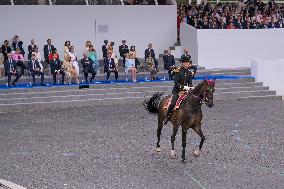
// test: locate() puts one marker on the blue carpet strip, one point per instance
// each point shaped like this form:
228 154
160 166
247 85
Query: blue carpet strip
4 87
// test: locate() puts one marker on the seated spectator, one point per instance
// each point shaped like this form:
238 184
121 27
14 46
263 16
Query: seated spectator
87 47
67 45
169 63
93 56
69 69
48 49
74 63
35 68
37 55
19 58
151 52
130 65
186 54
18 44
31 49
56 69
123 50
109 66
10 69
1 63
88 67
133 51
54 53
150 66
104 48
113 54
6 49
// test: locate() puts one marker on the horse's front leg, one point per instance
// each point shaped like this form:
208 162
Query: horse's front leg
173 138
198 130
159 131
184 132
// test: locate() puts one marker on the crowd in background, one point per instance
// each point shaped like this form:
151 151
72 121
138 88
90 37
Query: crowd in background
14 60
253 14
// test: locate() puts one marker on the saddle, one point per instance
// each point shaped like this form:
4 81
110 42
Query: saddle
181 97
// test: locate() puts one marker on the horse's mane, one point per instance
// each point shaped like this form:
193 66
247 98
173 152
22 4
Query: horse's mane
198 88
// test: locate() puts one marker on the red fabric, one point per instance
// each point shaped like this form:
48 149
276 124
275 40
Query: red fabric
50 56
181 98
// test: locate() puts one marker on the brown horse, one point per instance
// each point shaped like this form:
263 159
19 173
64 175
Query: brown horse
189 115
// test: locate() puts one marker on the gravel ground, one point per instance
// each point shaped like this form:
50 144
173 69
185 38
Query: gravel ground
114 147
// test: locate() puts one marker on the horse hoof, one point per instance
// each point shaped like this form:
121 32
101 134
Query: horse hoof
196 153
173 154
158 150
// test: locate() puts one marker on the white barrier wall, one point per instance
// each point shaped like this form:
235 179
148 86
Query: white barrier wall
188 36
139 25
233 48
270 72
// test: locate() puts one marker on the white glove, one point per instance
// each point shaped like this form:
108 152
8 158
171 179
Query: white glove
186 88
191 88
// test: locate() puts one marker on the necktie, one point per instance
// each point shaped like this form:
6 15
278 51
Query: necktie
34 65
49 49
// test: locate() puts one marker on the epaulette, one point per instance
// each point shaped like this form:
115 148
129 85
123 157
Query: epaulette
176 70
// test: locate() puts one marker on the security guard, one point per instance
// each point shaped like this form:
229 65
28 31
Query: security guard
183 82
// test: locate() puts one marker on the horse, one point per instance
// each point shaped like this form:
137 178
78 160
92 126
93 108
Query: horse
189 115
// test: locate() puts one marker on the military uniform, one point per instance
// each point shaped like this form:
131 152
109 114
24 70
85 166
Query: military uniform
183 77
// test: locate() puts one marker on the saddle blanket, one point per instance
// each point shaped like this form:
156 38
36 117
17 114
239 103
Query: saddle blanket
182 95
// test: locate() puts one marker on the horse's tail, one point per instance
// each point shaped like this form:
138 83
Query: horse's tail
152 104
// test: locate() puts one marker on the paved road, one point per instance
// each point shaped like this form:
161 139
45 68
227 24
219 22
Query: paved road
113 147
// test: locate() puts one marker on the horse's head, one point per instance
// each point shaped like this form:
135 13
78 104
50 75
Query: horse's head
208 91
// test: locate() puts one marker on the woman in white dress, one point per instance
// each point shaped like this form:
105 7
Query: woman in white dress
130 65
74 62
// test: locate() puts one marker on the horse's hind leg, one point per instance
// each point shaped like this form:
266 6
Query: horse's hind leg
159 131
173 138
198 130
184 132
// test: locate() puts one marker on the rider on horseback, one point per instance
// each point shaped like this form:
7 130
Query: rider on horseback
183 82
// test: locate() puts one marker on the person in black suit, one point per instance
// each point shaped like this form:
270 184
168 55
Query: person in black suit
17 44
104 48
109 66
10 69
169 63
56 68
31 49
47 50
88 67
191 67
6 49
123 50
35 68
152 53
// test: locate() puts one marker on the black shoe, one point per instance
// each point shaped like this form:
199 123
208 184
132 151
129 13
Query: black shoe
34 84
43 84
13 84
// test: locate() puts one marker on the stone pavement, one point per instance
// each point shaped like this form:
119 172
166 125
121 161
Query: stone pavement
114 147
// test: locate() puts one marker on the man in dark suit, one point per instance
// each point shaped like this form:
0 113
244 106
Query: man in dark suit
56 68
104 48
35 68
169 63
109 66
47 50
186 55
123 50
152 53
10 69
18 44
88 67
6 49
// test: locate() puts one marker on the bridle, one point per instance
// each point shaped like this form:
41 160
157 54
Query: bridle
209 83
